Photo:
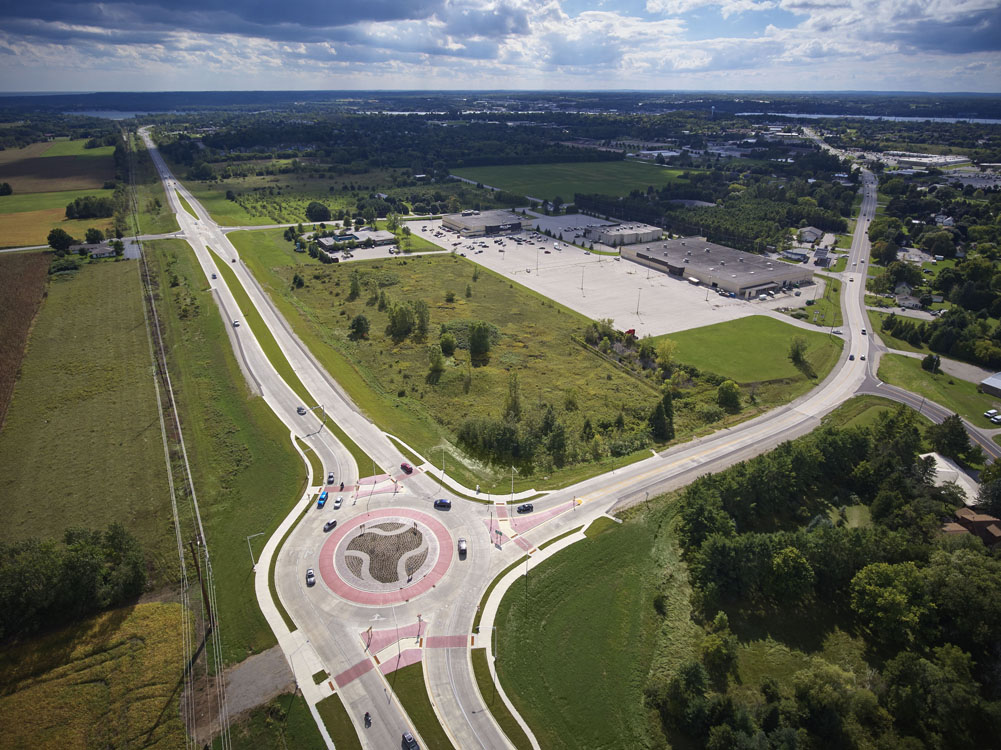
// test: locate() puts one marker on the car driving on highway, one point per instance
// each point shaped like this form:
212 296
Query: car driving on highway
526 508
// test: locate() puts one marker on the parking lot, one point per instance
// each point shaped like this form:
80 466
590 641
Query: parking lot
602 286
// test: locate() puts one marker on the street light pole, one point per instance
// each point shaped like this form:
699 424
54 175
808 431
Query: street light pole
253 563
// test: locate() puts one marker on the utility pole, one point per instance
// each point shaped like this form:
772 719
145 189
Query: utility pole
638 293
253 564
512 483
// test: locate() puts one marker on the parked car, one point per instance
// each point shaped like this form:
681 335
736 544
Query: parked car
330 477
322 500
996 419
526 508
310 577
331 524
338 502
462 548
442 504
407 468
991 413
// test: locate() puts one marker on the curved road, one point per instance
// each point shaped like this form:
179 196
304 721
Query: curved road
332 632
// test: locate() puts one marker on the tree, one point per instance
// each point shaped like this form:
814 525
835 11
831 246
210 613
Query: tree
6 189
891 604
797 350
931 363
297 281
422 318
60 240
358 327
317 211
479 341
392 221
728 395
94 236
718 651
369 215
448 344
791 579
949 438
436 363
355 290
665 355
512 404
469 291
401 321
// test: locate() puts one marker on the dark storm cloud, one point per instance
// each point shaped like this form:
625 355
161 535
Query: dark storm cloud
975 32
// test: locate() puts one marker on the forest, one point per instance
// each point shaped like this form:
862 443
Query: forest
768 539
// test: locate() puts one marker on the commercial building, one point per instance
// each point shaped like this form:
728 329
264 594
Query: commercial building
744 275
992 385
360 237
479 223
616 235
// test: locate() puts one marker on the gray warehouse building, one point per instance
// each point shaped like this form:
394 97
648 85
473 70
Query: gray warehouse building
700 262
623 234
992 385
479 223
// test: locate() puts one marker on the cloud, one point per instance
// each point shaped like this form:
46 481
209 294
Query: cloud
727 8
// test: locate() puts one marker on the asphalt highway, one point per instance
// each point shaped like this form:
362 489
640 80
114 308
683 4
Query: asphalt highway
332 631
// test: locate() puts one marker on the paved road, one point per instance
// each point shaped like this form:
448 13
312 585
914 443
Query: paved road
331 630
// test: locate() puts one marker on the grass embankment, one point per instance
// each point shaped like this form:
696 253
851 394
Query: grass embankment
490 588
495 704
594 668
959 396
338 723
408 684
826 309
285 721
45 177
863 411
23 284
246 472
563 180
155 216
387 380
81 445
109 681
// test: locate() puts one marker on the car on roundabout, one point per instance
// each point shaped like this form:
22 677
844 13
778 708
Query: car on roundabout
338 502
310 577
442 504
330 525
330 477
322 500
407 468
526 508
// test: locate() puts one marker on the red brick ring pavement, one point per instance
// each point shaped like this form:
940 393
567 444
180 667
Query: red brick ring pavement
330 576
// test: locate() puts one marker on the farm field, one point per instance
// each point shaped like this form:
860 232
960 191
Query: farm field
45 177
753 349
23 280
546 181
246 472
111 677
82 433
960 396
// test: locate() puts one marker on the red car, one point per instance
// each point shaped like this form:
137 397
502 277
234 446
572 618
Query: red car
407 468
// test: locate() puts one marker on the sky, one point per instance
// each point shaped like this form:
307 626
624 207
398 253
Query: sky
730 45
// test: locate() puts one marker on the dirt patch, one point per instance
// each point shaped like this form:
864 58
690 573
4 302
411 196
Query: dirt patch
384 552
42 174
22 288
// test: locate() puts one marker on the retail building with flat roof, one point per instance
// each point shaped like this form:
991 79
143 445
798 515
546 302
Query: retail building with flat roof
479 223
697 261
623 234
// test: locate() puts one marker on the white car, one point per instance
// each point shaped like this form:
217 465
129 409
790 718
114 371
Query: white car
236 324
337 503
310 577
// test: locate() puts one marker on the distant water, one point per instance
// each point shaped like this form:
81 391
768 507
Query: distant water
978 120
118 114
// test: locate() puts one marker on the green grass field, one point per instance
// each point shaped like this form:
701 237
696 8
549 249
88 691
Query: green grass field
876 319
103 682
155 216
959 396
81 445
12 204
753 349
825 312
247 474
547 181
863 411
185 205
76 148
408 684
578 681
284 722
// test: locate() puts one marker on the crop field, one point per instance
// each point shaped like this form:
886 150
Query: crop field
547 181
753 349
246 472
12 204
29 228
43 174
22 288
81 445
77 148
111 681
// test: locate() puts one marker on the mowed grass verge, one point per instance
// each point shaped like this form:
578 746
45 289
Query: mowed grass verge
81 445
578 681
408 684
496 706
548 181
955 394
247 474
104 682
754 349
338 723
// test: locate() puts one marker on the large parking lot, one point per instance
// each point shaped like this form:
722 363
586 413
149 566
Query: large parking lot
601 286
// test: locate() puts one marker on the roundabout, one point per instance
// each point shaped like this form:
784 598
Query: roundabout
387 556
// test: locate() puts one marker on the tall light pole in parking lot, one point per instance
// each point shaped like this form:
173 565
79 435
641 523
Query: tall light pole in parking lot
253 563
